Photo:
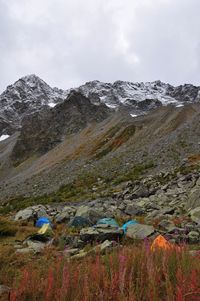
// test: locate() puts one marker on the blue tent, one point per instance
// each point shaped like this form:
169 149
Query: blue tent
41 221
108 221
124 227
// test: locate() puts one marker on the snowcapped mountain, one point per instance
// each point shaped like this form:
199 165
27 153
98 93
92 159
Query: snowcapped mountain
27 95
31 94
139 97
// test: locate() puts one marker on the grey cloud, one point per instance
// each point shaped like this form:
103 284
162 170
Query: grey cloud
69 42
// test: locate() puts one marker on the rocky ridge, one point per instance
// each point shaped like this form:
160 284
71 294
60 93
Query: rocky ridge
139 98
31 94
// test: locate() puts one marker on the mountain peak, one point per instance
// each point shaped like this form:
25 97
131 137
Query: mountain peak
31 79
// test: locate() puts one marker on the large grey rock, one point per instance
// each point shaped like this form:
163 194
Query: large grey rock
42 212
167 210
101 233
101 248
62 217
194 196
24 251
193 237
25 214
70 210
134 210
195 215
36 246
89 213
106 245
139 231
4 291
140 192
166 225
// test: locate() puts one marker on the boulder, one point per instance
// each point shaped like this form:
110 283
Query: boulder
70 241
193 237
106 245
24 251
36 246
41 211
195 215
70 210
194 198
4 292
101 248
101 233
89 213
134 210
139 231
167 210
35 243
62 217
167 226
25 214
140 192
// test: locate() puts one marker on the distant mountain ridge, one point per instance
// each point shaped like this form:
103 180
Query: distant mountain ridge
31 94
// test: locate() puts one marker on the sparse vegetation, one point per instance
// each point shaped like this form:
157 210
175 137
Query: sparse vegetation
117 141
135 172
81 188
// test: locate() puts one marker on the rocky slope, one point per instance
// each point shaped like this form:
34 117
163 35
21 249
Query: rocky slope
43 130
113 149
165 204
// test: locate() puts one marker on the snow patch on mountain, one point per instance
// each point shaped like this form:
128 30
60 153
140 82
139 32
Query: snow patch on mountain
4 137
122 93
51 104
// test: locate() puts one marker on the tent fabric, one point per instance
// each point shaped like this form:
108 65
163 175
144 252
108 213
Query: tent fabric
41 221
79 221
124 227
45 229
160 243
108 221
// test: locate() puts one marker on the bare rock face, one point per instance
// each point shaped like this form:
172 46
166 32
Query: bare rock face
42 131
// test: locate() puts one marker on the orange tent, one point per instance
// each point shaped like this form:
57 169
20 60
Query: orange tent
160 243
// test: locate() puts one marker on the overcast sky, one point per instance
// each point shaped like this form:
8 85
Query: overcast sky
69 42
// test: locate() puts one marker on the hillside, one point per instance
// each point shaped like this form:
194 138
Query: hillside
95 131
